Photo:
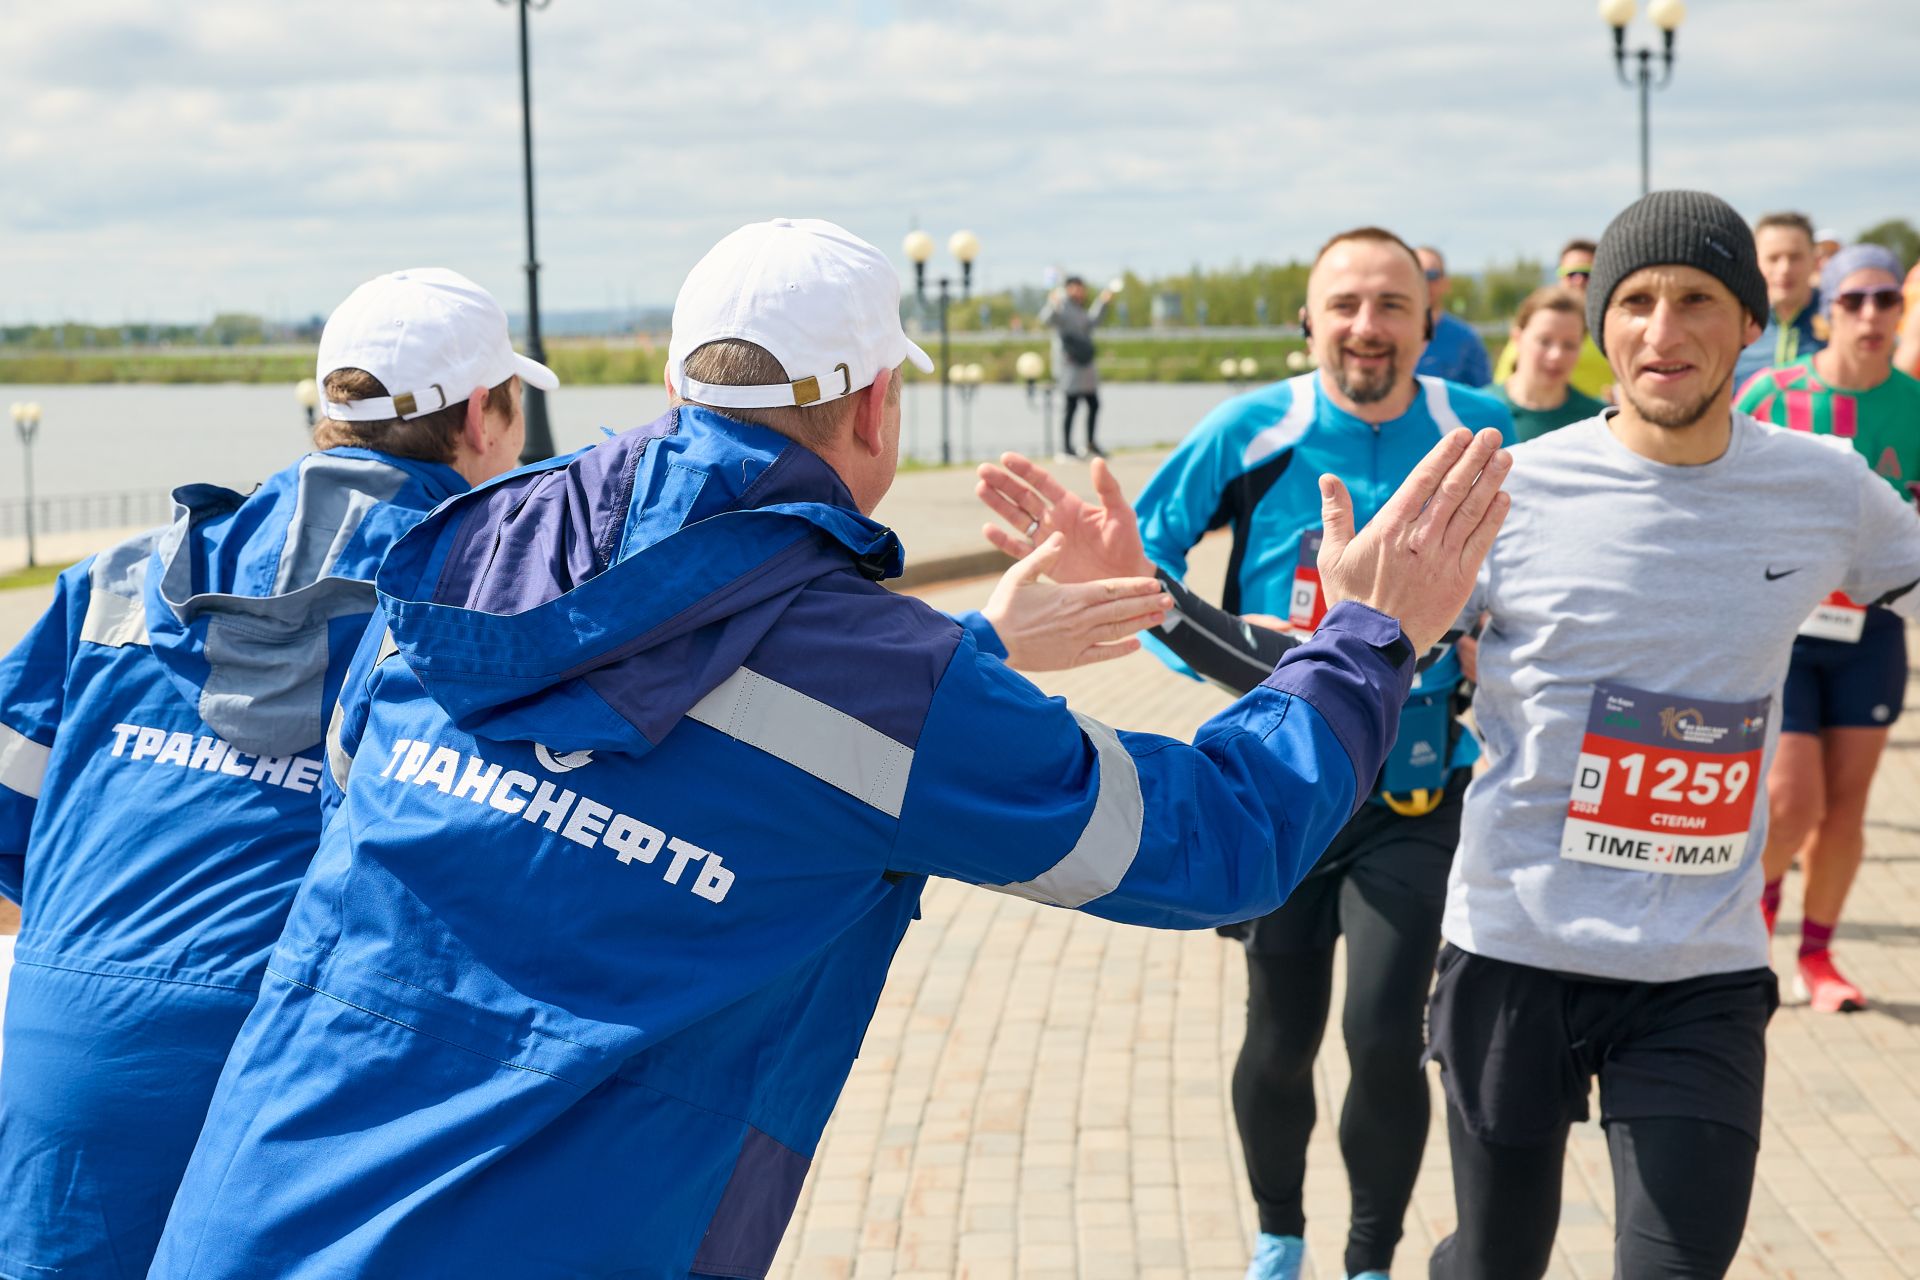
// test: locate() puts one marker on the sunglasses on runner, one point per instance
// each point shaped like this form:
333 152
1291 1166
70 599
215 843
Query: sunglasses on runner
1434 273
1568 273
1853 300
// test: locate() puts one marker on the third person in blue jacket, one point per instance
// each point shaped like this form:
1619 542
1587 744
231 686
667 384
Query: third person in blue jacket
160 766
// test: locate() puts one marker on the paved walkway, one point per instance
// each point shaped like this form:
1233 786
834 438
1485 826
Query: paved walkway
1044 1094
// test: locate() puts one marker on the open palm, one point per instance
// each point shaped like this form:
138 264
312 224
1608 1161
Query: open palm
1100 540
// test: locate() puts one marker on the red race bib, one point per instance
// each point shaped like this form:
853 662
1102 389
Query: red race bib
1665 784
1308 604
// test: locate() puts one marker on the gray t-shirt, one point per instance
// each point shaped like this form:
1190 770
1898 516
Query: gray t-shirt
1680 590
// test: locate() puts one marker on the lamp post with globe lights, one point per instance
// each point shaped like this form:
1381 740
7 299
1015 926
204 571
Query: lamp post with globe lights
306 393
1030 367
1666 15
965 247
26 421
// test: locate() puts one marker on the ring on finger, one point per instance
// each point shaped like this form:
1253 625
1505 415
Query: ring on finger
1033 527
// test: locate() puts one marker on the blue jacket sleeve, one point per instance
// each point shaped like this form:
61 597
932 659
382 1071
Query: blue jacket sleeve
975 624
1012 790
33 695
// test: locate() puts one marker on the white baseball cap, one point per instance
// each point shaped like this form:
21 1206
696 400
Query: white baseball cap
816 297
432 337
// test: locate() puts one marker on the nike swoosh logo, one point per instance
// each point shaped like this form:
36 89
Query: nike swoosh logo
1775 577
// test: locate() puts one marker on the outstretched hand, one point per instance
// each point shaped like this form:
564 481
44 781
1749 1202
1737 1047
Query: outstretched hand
1050 626
1097 541
1417 559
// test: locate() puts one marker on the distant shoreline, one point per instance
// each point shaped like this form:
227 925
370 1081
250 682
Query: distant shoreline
1187 356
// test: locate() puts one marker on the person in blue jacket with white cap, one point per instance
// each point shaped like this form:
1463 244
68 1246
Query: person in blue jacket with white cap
160 736
639 783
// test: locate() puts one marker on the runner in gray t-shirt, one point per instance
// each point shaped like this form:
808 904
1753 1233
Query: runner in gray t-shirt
1603 911
1603 914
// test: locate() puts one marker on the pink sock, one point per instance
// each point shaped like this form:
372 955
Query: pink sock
1815 937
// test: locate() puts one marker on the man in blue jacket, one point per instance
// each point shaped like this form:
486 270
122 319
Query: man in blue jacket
160 734
638 788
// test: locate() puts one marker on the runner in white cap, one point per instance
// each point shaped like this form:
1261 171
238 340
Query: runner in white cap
640 788
160 733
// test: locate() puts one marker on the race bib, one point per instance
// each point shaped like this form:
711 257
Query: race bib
1665 784
1309 603
1836 618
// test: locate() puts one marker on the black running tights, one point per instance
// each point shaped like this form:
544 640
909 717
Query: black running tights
1391 941
1074 399
1680 1192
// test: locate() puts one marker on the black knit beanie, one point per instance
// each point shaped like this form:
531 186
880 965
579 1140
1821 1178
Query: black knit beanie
1687 228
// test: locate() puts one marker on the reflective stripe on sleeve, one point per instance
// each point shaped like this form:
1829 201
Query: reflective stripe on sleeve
1108 844
114 620
811 736
338 760
23 763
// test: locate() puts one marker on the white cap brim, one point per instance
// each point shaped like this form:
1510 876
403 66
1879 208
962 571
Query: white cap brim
921 360
535 374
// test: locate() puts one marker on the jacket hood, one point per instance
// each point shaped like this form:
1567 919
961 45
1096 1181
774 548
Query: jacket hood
589 602
251 601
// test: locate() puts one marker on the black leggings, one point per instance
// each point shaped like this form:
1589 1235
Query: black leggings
1392 934
1093 416
1680 1192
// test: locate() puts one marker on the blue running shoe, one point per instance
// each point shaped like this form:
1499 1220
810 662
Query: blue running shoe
1277 1258
1370 1275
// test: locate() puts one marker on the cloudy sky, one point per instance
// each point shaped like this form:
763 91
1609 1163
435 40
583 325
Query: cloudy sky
164 159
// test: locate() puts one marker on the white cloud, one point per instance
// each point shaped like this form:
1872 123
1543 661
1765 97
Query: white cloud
166 159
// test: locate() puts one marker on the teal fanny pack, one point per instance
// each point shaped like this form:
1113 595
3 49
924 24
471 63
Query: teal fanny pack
1415 778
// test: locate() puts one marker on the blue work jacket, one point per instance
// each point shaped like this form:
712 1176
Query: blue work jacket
160 764
638 788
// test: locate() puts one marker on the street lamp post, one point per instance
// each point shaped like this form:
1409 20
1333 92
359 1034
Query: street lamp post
307 393
965 247
1030 367
539 443
1666 15
26 421
967 379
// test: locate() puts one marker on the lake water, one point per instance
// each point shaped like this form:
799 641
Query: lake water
136 442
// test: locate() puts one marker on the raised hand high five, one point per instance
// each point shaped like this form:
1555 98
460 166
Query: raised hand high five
1417 559
1050 626
1100 541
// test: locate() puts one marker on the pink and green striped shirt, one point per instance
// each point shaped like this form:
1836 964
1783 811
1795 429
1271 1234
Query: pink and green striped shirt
1882 423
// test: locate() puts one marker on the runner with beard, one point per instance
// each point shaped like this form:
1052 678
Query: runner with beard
1254 464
